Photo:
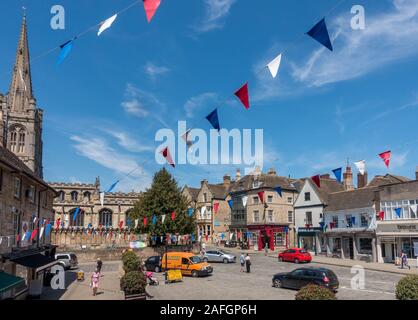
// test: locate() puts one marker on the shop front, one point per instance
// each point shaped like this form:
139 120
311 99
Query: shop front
274 236
393 237
310 239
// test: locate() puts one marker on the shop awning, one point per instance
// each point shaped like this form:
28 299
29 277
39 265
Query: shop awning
38 262
8 281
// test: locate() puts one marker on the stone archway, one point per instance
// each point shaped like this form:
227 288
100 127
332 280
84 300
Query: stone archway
105 217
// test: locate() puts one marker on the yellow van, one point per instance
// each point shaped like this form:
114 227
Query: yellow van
187 262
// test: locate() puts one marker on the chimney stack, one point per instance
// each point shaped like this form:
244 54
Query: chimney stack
348 179
203 182
325 176
272 172
361 180
227 180
416 175
238 175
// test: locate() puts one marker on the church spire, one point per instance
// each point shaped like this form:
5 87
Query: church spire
20 94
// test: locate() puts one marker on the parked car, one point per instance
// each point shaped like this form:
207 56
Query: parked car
301 277
295 255
231 244
153 264
219 256
67 260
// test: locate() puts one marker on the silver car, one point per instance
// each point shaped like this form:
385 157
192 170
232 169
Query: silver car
67 260
219 256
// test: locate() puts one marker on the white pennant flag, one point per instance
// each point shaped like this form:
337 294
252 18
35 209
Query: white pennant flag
244 200
414 208
274 65
163 218
1 240
361 166
102 196
136 223
41 232
107 24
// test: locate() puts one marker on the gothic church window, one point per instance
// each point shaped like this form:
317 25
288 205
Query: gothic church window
74 196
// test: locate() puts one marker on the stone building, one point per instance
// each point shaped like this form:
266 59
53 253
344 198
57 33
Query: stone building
92 213
25 199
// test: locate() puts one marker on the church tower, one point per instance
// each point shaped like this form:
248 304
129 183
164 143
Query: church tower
23 119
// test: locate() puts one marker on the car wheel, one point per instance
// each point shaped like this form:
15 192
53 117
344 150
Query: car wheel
194 274
296 261
280 259
157 269
225 260
277 283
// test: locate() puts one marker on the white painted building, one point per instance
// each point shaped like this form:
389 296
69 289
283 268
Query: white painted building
309 208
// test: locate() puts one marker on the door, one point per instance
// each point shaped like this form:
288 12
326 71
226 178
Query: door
289 255
307 277
295 279
348 248
185 266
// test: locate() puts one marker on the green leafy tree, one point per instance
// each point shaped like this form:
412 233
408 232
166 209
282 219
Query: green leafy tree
163 198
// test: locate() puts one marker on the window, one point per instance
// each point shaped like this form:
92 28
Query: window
61 196
335 221
256 184
364 221
79 220
270 199
205 197
208 230
256 216
290 216
31 194
307 196
308 217
86 196
184 261
256 200
21 145
17 188
74 196
13 141
289 200
365 245
105 217
270 216
349 221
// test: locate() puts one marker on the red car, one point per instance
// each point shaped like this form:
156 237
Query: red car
295 255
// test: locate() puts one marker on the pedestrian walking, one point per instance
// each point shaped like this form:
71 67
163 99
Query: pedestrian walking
248 263
95 279
99 264
404 260
242 262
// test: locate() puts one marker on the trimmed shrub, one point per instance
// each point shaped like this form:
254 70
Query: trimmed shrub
315 292
131 262
133 282
407 288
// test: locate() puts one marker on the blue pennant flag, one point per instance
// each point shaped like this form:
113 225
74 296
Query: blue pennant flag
398 212
48 229
76 213
190 212
222 236
279 191
320 33
213 119
90 226
193 238
286 229
353 220
230 202
112 186
338 174
322 224
128 222
65 51
154 219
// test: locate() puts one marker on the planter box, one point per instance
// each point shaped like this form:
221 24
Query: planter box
139 296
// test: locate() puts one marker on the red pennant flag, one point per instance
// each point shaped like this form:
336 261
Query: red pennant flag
382 215
261 196
151 7
173 215
242 95
145 221
17 237
121 225
207 237
33 235
166 154
317 180
58 223
385 157
331 225
216 207
239 235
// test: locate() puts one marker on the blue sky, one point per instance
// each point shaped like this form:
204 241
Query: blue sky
104 104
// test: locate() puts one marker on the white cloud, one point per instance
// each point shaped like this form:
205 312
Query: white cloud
216 12
202 100
138 102
388 37
153 70
128 143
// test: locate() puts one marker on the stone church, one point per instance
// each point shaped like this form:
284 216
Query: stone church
22 135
